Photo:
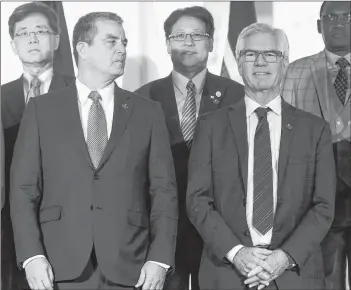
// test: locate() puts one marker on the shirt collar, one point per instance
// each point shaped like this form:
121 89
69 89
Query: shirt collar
181 81
275 105
106 93
43 77
332 58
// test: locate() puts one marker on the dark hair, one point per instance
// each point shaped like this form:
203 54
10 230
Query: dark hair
322 7
85 29
198 12
25 10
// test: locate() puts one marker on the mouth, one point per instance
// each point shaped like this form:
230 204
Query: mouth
261 73
34 50
188 52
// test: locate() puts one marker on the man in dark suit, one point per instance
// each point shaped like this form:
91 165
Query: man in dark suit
34 30
261 178
321 84
93 190
189 36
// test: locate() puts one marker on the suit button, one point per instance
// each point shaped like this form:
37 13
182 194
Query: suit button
96 176
247 233
91 207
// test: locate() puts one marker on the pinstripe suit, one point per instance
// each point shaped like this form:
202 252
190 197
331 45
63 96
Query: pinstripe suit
308 86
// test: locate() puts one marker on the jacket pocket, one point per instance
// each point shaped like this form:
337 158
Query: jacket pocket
52 213
138 219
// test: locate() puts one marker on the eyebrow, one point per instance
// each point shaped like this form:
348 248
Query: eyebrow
38 26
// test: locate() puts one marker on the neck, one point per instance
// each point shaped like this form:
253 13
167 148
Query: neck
189 74
262 97
92 80
340 52
37 69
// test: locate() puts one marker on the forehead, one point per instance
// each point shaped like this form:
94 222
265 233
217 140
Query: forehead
109 28
261 41
188 23
31 21
337 8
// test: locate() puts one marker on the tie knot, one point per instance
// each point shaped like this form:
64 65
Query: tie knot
262 112
342 62
35 83
190 86
94 96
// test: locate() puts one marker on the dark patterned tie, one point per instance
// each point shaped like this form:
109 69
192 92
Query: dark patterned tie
262 176
340 83
34 89
189 114
97 129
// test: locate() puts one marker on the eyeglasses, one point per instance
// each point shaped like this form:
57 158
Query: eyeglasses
111 42
195 36
268 56
38 34
334 18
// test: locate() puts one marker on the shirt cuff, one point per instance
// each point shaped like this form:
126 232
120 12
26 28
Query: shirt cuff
161 264
25 263
231 254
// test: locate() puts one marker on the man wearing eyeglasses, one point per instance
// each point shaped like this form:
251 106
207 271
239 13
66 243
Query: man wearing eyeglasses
320 84
34 30
261 179
189 91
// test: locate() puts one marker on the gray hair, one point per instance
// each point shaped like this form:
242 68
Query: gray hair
255 28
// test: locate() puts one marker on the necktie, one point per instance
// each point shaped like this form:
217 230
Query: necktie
189 114
34 89
340 83
262 175
97 129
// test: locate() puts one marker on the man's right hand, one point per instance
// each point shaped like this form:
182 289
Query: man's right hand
249 258
39 274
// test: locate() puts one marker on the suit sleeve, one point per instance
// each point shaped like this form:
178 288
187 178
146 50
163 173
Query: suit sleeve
26 187
144 91
163 191
200 199
315 224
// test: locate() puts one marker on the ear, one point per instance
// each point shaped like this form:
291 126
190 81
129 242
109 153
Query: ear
211 44
14 47
168 43
56 41
240 66
83 49
319 26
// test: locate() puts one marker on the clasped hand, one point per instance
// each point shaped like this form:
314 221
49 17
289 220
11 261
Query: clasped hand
260 266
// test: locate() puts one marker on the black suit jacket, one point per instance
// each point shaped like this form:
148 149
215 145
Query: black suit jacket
61 206
162 91
216 196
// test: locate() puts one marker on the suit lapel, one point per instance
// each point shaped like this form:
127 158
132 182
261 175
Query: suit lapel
209 100
237 119
122 110
320 78
57 82
163 93
16 101
73 122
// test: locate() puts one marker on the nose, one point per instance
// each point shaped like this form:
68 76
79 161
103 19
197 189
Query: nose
188 40
339 22
260 61
33 38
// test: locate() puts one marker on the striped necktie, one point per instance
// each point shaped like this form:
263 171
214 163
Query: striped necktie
34 89
189 114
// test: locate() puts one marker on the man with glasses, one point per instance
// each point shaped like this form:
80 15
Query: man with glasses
189 91
320 84
261 179
34 30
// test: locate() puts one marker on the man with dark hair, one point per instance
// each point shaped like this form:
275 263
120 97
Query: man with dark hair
34 30
189 91
320 84
93 190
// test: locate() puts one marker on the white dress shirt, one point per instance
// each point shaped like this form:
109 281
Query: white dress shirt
180 91
45 79
84 104
274 118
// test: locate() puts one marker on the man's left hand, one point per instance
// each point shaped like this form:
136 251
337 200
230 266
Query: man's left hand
152 276
278 261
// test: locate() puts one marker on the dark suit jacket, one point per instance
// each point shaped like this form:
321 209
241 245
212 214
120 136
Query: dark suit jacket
61 205
216 195
162 91
12 107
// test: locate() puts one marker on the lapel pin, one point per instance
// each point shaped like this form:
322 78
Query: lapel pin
212 97
215 101
288 126
218 94
125 106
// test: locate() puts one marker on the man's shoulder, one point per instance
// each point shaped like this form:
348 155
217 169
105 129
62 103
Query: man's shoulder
67 78
146 89
140 100
223 81
305 62
307 117
10 86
